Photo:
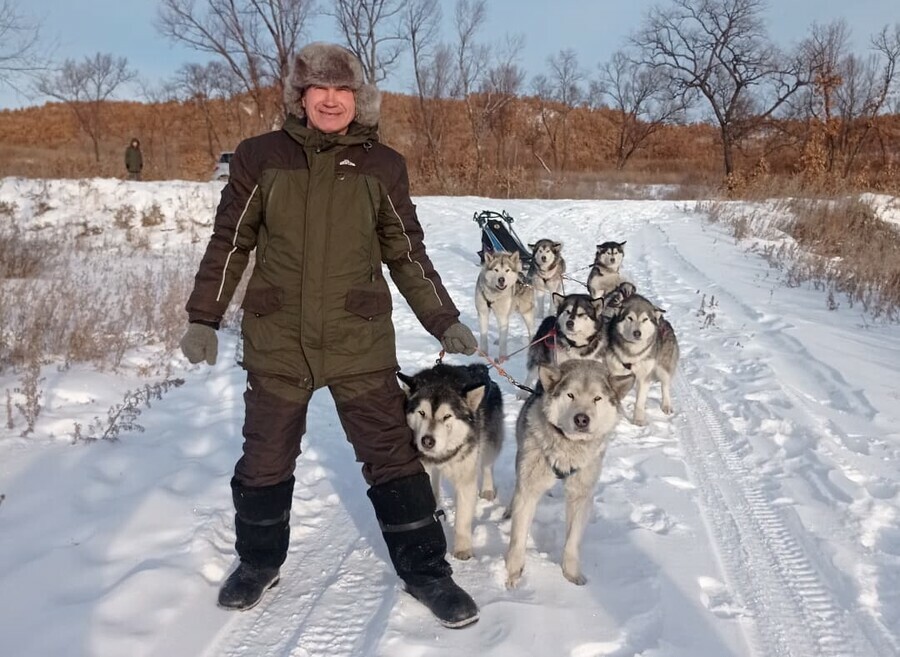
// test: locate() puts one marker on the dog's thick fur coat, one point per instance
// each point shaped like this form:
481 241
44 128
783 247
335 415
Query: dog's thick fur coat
642 342
500 290
456 415
562 433
545 272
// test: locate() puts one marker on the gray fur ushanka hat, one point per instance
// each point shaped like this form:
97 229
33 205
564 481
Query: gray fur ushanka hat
330 65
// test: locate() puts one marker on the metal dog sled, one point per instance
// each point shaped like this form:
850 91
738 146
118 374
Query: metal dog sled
497 234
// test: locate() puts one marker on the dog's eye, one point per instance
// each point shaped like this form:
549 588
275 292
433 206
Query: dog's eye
571 396
597 398
422 413
447 417
646 319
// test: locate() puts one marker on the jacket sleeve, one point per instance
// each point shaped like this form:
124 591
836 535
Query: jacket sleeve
234 236
403 251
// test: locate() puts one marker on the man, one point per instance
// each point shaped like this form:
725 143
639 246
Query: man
134 161
325 204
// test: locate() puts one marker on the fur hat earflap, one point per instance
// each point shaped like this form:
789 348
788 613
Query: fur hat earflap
330 65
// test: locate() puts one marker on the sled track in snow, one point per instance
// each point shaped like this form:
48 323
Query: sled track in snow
794 613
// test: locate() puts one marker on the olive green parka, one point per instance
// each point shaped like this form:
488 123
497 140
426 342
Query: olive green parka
323 213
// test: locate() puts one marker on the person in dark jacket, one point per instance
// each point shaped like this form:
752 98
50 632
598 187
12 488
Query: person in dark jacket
325 205
134 160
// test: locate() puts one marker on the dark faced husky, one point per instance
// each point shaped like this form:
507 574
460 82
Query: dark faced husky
456 415
562 433
643 343
500 290
578 330
605 276
546 271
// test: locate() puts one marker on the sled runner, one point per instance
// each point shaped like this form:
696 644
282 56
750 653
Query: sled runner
497 234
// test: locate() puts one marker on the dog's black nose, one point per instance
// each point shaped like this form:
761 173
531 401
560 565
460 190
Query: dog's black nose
501 281
582 420
570 325
428 441
637 335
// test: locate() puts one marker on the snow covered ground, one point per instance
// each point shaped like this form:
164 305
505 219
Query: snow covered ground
762 519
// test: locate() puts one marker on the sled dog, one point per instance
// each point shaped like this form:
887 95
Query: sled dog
545 273
642 342
605 275
562 433
577 330
500 290
456 415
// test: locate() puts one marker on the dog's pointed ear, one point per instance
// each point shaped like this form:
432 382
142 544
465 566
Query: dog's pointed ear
531 247
549 376
658 313
407 383
558 299
489 257
556 246
515 259
599 304
620 384
474 397
622 244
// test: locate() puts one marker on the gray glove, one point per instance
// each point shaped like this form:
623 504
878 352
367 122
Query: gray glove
458 339
200 342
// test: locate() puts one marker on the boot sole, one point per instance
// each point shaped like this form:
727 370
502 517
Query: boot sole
258 600
459 624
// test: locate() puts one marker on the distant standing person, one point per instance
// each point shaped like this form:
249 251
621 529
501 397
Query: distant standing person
134 161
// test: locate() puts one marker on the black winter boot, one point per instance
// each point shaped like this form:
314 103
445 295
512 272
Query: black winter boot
262 527
415 540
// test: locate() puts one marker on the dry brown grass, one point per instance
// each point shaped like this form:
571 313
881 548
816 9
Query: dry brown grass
90 305
837 245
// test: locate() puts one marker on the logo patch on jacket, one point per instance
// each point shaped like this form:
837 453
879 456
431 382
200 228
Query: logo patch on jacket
347 162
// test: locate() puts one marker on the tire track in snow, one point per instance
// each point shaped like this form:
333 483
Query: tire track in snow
762 548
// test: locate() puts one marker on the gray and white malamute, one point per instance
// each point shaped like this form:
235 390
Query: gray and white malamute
456 415
605 275
642 342
500 290
577 330
562 433
546 271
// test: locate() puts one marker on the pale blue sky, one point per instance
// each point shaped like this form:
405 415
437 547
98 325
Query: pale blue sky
593 28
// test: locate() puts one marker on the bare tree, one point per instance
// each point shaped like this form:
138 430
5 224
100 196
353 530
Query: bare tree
642 100
865 92
500 88
431 63
156 134
370 29
254 38
471 62
19 48
84 87
207 85
559 93
720 50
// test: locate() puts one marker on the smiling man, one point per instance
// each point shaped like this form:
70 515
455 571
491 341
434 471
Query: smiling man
324 204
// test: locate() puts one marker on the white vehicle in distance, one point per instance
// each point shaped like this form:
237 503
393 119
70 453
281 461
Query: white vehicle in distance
223 167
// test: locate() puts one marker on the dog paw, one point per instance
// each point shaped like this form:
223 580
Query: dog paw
490 495
667 409
463 555
576 578
639 420
513 578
